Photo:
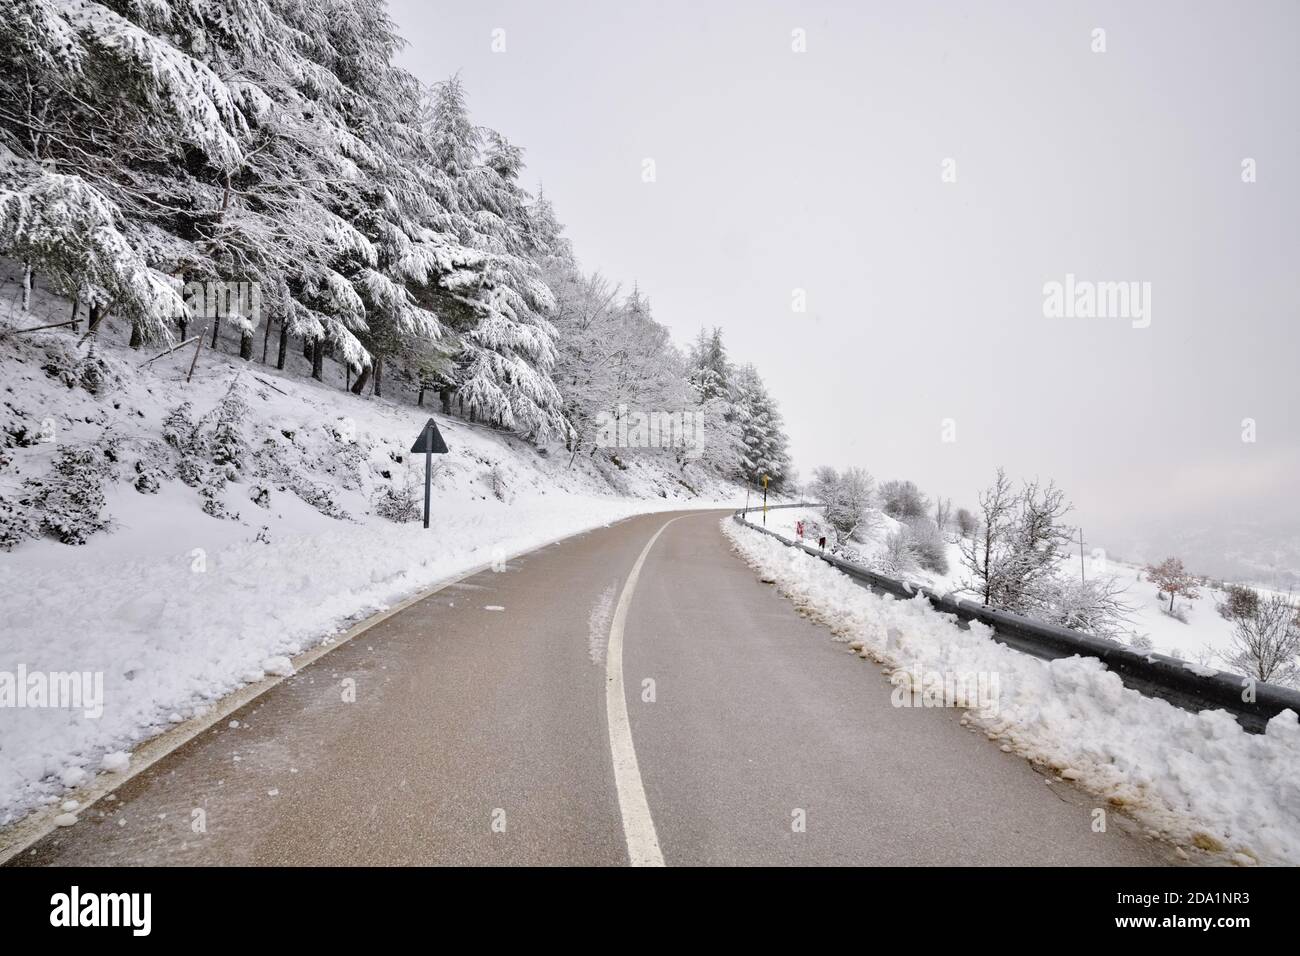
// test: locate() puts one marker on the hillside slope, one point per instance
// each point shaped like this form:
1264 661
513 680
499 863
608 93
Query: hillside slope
182 539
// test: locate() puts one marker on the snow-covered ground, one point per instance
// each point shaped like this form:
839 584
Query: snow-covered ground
177 607
1197 780
1201 635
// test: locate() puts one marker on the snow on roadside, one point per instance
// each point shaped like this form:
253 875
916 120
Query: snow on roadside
172 605
169 640
1199 634
1197 779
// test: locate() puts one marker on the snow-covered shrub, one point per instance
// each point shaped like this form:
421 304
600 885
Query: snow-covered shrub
151 467
903 500
319 498
898 556
1094 606
1141 642
17 523
93 374
64 362
69 502
178 427
214 506
400 502
226 446
18 427
495 477
928 544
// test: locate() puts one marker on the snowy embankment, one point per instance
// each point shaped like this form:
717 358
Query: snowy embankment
1197 780
1197 634
226 535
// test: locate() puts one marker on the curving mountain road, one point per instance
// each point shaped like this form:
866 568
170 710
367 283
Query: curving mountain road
487 729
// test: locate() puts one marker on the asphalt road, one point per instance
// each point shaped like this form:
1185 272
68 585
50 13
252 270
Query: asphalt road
485 724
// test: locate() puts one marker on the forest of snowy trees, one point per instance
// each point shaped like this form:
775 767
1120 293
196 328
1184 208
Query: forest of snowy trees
148 147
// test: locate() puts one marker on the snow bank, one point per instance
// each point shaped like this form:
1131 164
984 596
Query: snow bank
1196 779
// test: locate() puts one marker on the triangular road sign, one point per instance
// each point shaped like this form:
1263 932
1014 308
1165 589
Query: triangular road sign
421 445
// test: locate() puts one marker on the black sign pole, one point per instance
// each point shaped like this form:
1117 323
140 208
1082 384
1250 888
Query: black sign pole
428 467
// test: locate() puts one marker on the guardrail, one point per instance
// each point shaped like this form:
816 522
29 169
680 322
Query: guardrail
1155 675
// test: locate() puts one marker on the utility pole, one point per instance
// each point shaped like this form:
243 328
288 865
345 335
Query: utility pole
1083 576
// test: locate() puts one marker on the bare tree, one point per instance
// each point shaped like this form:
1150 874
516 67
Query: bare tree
1173 579
967 523
1266 642
942 513
986 554
849 499
1039 540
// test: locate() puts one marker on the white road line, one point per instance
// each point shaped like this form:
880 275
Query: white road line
638 826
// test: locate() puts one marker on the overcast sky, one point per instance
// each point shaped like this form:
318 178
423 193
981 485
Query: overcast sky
821 170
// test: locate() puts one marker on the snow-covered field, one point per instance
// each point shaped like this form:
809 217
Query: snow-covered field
1201 636
1197 780
177 607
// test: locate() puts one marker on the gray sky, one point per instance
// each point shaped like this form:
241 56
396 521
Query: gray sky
821 170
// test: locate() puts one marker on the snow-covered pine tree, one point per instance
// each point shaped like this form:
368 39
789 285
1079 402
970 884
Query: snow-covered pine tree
710 371
762 431
506 341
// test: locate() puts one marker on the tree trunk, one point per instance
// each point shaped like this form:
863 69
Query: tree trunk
76 307
347 378
246 346
96 316
318 359
1171 602
284 346
445 395
307 349
360 383
379 376
183 325
137 339
419 399
266 341
216 330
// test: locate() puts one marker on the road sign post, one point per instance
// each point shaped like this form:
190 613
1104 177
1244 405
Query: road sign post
428 470
430 442
765 479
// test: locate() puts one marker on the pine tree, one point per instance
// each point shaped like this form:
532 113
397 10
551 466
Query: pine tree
763 439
